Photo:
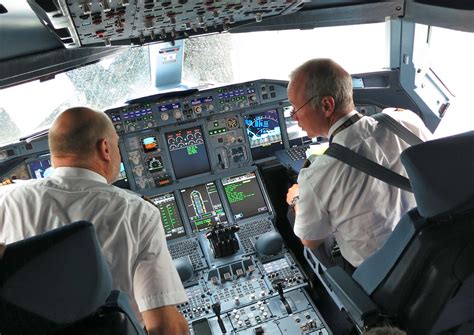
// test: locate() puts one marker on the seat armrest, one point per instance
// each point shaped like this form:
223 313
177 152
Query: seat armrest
118 301
357 303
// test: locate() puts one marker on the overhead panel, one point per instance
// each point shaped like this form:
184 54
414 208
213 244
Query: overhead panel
116 22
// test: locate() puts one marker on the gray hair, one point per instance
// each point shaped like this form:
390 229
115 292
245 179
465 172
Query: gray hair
324 77
77 131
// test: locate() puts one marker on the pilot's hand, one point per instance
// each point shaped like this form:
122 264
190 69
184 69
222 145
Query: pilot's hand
292 195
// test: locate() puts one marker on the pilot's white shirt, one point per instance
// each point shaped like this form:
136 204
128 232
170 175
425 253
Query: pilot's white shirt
360 210
129 230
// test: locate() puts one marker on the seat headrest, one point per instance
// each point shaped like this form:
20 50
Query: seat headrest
60 275
441 173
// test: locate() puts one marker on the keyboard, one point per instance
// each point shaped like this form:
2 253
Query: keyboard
188 248
252 229
297 153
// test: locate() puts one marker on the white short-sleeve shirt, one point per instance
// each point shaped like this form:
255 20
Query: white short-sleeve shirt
360 210
129 230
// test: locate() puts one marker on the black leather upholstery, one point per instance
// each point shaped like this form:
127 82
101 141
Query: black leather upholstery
422 279
52 282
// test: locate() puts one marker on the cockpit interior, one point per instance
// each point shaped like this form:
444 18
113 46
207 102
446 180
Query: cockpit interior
197 93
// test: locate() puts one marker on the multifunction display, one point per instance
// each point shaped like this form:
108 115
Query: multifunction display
204 206
244 195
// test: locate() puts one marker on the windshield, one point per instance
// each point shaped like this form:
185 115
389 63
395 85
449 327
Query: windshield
208 60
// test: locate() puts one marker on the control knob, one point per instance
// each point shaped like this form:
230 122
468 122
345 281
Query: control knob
164 116
177 114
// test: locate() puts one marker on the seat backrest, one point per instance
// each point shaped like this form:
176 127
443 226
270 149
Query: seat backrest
425 270
53 280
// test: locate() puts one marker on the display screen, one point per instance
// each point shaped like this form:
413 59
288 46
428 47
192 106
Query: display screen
149 144
40 168
169 107
296 135
170 218
204 206
188 152
122 180
244 195
198 101
264 133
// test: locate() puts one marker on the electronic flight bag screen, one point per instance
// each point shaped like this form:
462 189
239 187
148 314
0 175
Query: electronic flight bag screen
204 206
244 195
264 133
296 135
188 152
170 218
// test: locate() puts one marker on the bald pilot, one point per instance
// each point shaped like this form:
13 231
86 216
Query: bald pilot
86 160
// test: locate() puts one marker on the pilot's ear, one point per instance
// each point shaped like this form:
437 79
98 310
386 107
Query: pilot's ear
103 149
327 104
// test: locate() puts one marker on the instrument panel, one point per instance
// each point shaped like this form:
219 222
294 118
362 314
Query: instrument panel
196 157
121 22
169 140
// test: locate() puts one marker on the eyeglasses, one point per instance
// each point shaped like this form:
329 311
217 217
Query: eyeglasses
294 111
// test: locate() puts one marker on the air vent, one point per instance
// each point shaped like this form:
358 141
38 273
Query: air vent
3 10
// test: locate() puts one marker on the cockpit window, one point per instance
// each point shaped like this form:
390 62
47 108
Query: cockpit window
448 54
241 57
208 60
31 107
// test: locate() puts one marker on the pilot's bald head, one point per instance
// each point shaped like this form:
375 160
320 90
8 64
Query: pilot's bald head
76 132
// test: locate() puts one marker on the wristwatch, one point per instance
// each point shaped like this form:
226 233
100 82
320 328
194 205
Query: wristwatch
294 201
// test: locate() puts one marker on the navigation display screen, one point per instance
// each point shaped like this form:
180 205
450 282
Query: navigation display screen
204 206
170 218
40 168
264 133
188 152
122 179
244 195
